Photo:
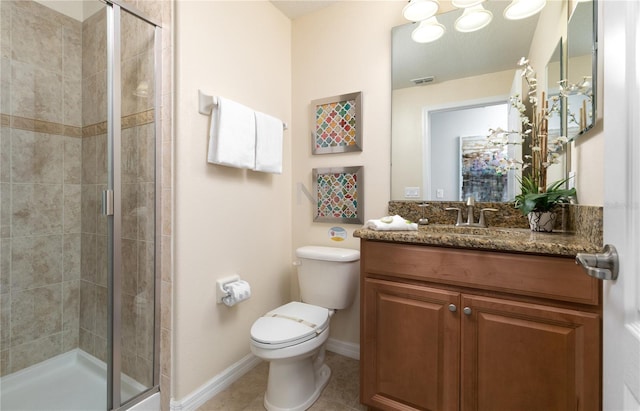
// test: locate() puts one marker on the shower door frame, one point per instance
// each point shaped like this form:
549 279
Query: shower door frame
112 204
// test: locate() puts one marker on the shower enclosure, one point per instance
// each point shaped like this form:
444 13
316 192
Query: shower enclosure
79 196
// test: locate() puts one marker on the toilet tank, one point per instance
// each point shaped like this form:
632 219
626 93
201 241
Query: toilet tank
328 276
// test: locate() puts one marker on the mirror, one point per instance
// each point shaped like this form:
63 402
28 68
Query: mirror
581 69
556 124
471 73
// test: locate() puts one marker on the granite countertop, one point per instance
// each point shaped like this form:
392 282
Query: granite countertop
520 240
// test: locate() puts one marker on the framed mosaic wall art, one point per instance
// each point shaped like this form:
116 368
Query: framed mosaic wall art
339 195
337 124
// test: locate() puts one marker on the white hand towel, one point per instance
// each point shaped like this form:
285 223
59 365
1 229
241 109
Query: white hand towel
391 223
268 143
232 138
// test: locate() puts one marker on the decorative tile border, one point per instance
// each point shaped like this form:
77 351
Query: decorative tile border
40 126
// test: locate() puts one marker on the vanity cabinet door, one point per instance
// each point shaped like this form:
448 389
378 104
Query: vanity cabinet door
520 356
410 354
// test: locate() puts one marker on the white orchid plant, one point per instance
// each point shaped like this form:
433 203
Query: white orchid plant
545 151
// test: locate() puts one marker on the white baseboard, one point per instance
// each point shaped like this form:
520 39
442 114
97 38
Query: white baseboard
240 368
216 384
347 349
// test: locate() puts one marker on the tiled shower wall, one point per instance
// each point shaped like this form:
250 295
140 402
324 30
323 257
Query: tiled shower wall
40 183
53 277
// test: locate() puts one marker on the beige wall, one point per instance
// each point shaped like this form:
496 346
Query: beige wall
341 49
227 220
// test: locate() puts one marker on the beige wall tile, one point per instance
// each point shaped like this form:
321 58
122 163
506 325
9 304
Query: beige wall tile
36 41
36 93
72 257
5 154
35 351
89 160
5 320
101 159
35 261
87 311
88 260
36 209
129 267
5 268
72 213
72 51
72 101
102 264
5 210
36 157
90 208
129 152
72 160
36 313
146 211
102 304
71 307
130 211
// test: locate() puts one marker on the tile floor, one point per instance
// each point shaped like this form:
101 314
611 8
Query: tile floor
341 394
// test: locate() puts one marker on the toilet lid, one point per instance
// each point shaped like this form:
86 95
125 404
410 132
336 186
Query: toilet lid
290 324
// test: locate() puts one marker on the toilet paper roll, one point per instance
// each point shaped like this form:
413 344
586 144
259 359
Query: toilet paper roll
238 291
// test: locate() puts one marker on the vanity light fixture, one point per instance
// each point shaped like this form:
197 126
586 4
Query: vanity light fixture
473 18
418 10
521 9
463 4
427 31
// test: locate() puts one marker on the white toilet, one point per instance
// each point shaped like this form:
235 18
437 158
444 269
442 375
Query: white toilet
292 336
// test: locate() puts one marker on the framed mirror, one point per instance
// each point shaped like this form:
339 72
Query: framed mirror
580 84
470 73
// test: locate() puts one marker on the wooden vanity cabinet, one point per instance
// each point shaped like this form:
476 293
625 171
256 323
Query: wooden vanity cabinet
449 329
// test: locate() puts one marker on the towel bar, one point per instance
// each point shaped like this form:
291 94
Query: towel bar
206 103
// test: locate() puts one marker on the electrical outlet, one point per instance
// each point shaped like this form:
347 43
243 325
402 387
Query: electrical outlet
440 193
412 192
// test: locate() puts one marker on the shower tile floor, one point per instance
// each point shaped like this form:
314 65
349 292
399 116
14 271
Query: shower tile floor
246 394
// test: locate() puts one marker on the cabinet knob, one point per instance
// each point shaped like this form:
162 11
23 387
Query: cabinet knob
453 308
467 310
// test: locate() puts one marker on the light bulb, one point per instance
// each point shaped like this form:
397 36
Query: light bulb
418 10
521 9
473 18
427 31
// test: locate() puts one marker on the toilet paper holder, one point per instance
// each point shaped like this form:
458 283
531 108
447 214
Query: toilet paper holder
221 292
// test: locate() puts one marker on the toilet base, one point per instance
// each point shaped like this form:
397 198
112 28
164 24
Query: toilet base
300 393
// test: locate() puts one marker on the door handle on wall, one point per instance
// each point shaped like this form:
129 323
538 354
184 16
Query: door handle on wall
603 266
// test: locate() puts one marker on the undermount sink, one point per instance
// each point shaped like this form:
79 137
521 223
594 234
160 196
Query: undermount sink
496 232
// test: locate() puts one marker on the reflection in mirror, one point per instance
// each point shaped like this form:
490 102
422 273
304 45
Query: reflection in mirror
437 85
581 73
556 171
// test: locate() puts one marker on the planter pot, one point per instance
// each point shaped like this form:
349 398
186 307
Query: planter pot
542 221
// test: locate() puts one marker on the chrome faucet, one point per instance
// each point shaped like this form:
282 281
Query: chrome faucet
471 203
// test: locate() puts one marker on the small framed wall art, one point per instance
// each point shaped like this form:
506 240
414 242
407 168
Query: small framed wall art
339 195
336 124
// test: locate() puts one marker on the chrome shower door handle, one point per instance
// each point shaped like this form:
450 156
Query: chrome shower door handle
603 266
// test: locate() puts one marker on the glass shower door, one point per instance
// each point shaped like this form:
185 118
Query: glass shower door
133 187
138 198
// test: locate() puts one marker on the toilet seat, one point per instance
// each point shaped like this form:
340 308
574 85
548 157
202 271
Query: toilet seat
288 325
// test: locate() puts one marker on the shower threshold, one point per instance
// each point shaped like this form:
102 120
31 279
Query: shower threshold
73 381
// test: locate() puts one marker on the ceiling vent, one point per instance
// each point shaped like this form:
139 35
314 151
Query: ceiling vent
423 80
